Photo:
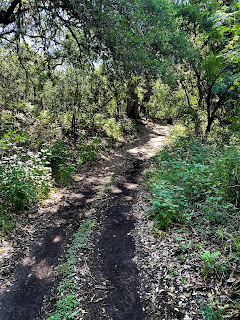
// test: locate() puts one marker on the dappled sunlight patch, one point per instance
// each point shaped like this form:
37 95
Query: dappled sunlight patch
114 189
128 198
6 249
130 186
157 140
29 261
128 215
78 177
89 201
76 196
42 270
54 196
57 239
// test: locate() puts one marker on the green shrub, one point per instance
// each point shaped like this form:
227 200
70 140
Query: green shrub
227 173
6 121
191 175
24 178
61 158
211 264
64 173
87 152
12 140
168 204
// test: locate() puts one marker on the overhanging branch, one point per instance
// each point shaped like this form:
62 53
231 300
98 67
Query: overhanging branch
8 16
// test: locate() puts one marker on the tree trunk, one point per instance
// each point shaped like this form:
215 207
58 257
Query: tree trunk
74 130
132 108
209 124
132 102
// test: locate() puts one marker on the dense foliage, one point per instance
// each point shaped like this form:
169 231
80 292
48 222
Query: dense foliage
191 178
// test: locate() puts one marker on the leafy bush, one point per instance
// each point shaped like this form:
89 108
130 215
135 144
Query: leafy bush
64 173
167 204
211 265
6 121
25 177
87 152
60 158
11 140
191 175
109 126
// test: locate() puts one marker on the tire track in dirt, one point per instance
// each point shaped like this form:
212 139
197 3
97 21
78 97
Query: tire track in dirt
117 250
24 290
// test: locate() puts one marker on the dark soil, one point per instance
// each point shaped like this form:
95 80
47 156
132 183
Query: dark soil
34 275
117 250
34 279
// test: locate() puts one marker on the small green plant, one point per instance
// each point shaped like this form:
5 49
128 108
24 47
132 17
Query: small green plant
211 311
235 240
61 160
171 271
184 244
87 152
211 265
184 280
64 173
167 205
25 178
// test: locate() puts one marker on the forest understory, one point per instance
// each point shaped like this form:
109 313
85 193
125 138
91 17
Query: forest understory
90 251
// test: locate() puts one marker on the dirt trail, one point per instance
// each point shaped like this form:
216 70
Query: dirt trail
30 258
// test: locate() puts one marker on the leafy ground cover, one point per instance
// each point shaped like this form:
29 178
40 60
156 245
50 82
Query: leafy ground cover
195 186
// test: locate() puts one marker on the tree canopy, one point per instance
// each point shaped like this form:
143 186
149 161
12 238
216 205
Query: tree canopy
192 45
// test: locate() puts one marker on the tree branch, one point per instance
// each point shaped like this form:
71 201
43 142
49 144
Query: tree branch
8 16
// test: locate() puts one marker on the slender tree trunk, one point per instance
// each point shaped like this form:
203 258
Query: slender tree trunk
74 130
209 124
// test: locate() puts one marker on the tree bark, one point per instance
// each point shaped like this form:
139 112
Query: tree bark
74 130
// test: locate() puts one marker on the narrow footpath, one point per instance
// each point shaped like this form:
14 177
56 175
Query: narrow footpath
30 258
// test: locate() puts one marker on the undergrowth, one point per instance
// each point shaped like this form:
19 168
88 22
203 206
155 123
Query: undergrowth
189 177
196 185
37 151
